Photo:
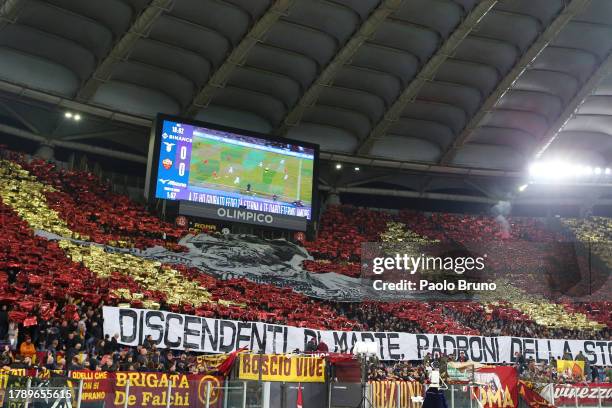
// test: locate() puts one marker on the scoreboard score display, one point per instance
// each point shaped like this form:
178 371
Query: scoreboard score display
218 167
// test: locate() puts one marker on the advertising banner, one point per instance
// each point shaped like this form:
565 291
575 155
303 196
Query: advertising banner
583 394
180 331
384 394
285 368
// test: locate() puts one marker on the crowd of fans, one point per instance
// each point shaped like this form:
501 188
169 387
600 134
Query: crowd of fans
63 345
528 370
461 318
548 373
55 322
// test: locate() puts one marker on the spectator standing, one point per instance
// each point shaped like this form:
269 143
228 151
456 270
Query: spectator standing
13 334
27 349
587 368
322 347
311 346
6 358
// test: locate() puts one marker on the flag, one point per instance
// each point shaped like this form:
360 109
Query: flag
299 403
571 367
532 398
30 321
225 367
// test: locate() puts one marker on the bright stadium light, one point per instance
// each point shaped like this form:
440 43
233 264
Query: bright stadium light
523 187
536 170
338 166
558 170
357 169
74 116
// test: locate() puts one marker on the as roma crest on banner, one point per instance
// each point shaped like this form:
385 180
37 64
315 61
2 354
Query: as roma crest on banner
209 390
497 387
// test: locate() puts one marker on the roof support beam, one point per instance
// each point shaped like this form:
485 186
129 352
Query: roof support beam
410 194
342 57
92 135
572 8
9 11
140 27
24 121
604 70
417 167
368 180
544 201
24 134
28 94
238 56
427 73
487 193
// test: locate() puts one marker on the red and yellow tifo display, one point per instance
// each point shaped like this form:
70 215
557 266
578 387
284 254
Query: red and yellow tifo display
81 215
84 223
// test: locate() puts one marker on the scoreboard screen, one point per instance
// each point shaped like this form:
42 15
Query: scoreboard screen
203 163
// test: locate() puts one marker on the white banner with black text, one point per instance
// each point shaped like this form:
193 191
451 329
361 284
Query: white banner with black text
181 331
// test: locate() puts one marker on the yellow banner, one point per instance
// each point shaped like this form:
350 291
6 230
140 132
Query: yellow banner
281 367
570 367
211 362
384 394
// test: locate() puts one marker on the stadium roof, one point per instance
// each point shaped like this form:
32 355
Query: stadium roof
460 90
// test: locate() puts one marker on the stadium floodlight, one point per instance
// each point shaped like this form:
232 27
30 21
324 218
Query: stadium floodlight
357 168
523 187
559 170
536 170
338 166
74 116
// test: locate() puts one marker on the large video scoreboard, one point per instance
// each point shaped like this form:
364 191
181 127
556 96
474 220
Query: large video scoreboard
235 174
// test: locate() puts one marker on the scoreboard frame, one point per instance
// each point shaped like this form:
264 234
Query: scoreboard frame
153 166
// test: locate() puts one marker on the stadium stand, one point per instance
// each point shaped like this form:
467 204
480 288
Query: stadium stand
258 166
121 276
56 284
